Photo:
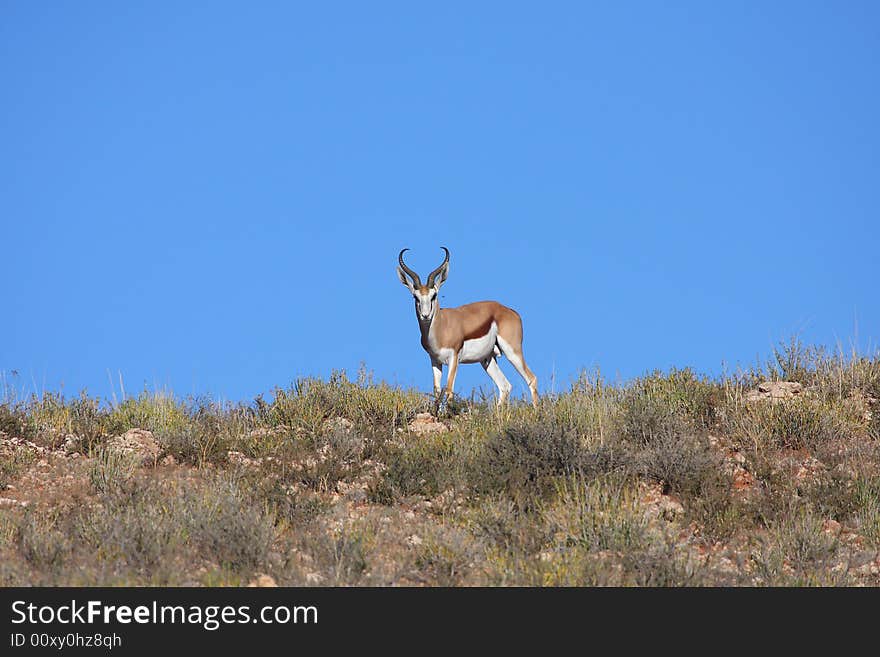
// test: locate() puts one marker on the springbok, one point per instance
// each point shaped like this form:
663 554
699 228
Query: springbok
477 332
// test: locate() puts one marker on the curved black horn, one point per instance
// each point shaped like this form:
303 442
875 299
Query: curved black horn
434 273
416 280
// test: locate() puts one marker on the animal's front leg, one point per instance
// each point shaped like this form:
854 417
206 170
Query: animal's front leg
437 366
450 382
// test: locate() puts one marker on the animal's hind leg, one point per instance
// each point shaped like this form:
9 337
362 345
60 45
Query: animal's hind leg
515 356
504 387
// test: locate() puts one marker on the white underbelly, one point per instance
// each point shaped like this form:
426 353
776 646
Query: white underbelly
479 349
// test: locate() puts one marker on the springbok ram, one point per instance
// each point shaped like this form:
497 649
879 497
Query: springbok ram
477 332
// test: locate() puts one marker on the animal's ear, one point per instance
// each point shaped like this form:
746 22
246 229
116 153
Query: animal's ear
405 279
440 278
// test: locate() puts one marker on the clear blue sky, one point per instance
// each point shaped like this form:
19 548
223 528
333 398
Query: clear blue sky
210 197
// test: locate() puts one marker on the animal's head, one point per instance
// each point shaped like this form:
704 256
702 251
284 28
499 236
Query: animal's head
424 295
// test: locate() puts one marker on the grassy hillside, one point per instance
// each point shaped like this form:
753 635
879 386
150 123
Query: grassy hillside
668 479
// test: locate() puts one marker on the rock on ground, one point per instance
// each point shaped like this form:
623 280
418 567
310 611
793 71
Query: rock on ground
338 425
426 424
138 443
775 390
263 581
658 505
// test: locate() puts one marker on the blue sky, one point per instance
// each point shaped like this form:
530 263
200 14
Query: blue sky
209 197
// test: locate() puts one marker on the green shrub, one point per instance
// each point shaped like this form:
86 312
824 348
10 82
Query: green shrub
48 419
599 514
88 422
867 509
445 558
421 466
649 405
340 559
853 500
799 552
139 532
680 462
42 541
662 564
13 465
158 412
145 527
205 437
111 469
524 458
236 534
801 422
13 419
309 402
508 528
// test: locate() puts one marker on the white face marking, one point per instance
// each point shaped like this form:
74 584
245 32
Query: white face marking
426 303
